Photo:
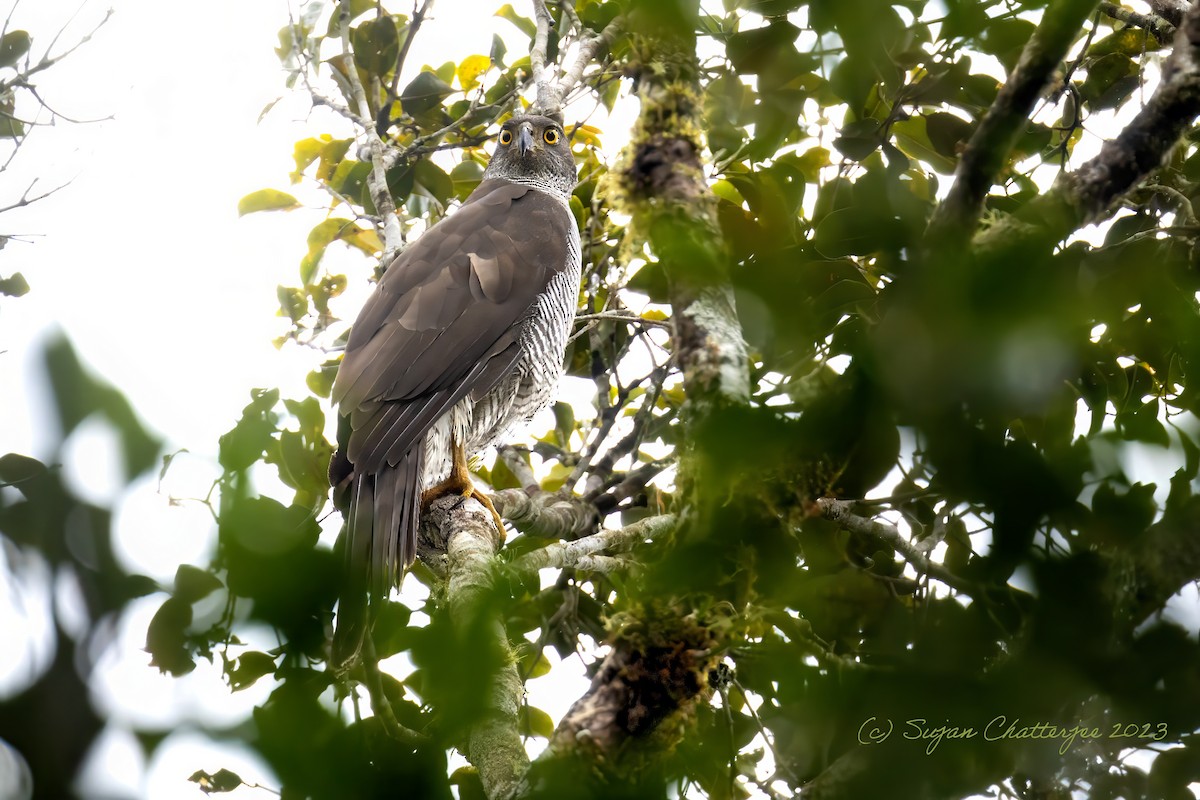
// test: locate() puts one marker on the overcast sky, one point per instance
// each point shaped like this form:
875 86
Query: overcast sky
143 262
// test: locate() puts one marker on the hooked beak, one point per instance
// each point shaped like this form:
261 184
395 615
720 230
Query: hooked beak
525 139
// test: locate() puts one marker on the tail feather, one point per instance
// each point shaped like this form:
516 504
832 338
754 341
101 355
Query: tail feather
356 555
379 542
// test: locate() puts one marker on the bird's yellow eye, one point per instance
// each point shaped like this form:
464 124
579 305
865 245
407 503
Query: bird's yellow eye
506 137
551 136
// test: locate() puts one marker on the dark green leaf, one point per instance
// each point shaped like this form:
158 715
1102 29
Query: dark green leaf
13 47
220 782
193 583
376 45
250 667
426 91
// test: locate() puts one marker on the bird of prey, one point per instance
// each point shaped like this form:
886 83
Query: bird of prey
462 339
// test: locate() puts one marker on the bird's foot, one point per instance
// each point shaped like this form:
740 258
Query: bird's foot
458 482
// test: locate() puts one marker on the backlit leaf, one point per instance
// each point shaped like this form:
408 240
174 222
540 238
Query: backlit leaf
266 200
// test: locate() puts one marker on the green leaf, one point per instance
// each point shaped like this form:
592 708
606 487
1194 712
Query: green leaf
14 285
264 526
220 782
564 422
350 179
250 667
535 722
535 665
10 126
858 139
426 91
434 181
498 51
1143 425
1129 42
245 444
1110 80
527 26
166 640
193 583
305 152
332 153
912 137
16 469
502 477
13 46
466 175
320 380
446 72
376 45
293 302
1006 38
266 200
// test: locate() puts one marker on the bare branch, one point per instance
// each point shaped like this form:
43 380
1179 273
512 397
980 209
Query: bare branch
545 514
839 511
1170 10
554 83
465 533
587 51
1158 27
537 57
1087 194
986 152
48 61
379 702
27 200
380 194
561 555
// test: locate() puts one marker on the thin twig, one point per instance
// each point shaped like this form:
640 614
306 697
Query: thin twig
414 25
839 511
380 194
587 51
379 702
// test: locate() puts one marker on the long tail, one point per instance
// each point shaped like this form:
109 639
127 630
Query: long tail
379 542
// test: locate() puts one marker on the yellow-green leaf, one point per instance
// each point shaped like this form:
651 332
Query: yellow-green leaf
526 25
587 135
266 200
535 722
557 477
811 163
469 70
364 239
540 666
913 140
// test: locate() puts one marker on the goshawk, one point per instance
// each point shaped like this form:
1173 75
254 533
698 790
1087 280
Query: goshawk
462 338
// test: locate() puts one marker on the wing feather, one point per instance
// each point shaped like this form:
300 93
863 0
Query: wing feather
444 322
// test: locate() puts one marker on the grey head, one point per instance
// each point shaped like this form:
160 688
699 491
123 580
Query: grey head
534 150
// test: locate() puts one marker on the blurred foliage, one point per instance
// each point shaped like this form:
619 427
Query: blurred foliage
53 540
996 408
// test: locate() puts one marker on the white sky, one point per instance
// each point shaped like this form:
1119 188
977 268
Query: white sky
145 265
168 295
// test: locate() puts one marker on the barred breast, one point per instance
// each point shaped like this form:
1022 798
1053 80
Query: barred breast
485 421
